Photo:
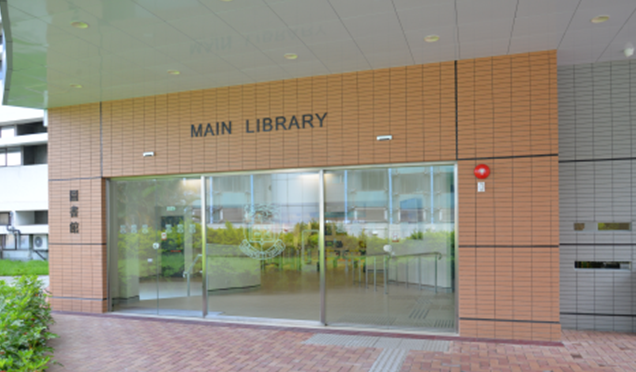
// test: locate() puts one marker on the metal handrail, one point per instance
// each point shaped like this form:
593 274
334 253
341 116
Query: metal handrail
188 272
419 266
395 257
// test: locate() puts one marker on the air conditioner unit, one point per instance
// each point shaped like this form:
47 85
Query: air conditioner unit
41 242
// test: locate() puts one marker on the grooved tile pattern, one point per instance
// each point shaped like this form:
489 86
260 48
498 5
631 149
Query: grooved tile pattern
509 235
598 184
507 118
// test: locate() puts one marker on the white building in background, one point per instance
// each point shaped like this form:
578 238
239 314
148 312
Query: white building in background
23 184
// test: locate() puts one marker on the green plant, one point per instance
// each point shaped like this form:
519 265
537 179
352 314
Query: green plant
14 268
25 317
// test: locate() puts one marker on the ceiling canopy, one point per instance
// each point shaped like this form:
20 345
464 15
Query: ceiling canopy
66 52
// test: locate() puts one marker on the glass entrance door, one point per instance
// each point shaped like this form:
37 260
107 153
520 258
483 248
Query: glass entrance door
262 246
133 243
155 235
389 254
178 223
390 262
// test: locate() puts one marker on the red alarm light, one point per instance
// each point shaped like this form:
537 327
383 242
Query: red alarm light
482 171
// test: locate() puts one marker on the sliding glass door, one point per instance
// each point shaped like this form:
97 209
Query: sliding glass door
389 244
155 244
262 246
387 259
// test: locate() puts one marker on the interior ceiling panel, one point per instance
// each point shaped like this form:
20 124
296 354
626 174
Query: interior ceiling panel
133 48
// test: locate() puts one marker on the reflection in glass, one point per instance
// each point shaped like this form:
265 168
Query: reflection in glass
389 245
155 238
262 246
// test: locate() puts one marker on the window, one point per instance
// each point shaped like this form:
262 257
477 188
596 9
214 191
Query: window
3 157
5 218
41 217
35 155
371 180
231 184
14 157
412 183
25 241
9 241
7 132
24 129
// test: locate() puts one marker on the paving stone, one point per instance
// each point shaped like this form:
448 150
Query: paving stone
119 343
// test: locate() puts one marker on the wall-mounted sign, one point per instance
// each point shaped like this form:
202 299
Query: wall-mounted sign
306 121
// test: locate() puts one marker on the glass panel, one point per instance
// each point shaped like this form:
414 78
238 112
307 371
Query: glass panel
133 255
155 237
9 241
25 241
178 217
389 245
262 246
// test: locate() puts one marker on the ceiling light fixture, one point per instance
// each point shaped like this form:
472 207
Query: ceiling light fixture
291 56
174 72
227 1
77 86
80 25
600 19
629 50
431 38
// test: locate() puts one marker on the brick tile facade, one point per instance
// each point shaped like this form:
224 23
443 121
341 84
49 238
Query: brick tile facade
501 111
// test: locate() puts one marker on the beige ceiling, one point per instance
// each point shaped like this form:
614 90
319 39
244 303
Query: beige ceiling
131 44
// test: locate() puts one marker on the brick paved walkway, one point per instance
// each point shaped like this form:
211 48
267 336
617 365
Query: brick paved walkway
115 343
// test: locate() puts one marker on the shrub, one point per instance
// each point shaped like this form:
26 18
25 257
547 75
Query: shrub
25 317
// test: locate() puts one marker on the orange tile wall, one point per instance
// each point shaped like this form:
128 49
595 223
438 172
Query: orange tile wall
500 111
509 235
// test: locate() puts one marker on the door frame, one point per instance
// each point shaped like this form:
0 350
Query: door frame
321 241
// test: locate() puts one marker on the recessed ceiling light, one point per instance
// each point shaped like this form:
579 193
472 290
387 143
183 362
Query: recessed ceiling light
174 72
77 86
291 56
79 24
600 19
431 38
